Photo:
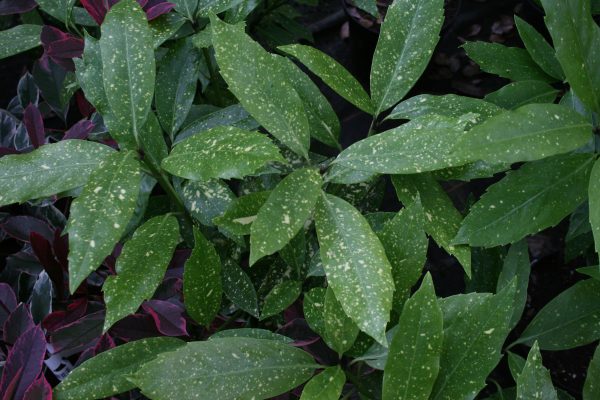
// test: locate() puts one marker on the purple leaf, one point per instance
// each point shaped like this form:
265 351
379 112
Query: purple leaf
34 122
9 7
21 226
43 251
135 327
24 362
17 323
77 336
105 343
8 302
155 9
168 317
59 319
60 47
39 390
80 130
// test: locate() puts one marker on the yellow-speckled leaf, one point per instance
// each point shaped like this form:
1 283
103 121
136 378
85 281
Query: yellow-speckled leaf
327 385
18 39
534 382
340 331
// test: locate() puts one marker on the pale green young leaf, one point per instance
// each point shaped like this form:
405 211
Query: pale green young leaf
140 267
238 218
356 266
51 169
340 331
529 133
176 82
238 287
511 63
280 298
414 357
518 94
594 196
332 73
539 49
99 216
202 285
408 37
576 38
516 264
223 152
472 346
128 65
284 213
537 196
442 219
105 375
254 77
567 321
591 388
534 382
18 39
327 385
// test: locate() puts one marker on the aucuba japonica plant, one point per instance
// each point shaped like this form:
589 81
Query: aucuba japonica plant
215 250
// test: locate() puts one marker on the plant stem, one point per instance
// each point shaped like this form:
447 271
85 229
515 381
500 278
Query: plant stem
372 127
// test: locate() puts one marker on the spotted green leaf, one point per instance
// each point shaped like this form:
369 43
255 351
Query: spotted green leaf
206 7
327 385
105 375
176 82
508 62
414 357
18 39
356 266
202 286
340 331
128 65
284 213
64 11
153 142
205 201
516 363
534 382
51 169
594 196
238 287
254 77
226 369
539 49
576 38
516 264
442 219
569 320
255 333
472 346
591 388
408 37
165 27
280 298
99 216
140 267
238 218
332 73
314 309
518 94
187 8
418 146
223 152
535 197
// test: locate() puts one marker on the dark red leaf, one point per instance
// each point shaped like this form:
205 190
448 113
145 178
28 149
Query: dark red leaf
39 390
60 47
9 7
24 362
44 253
61 248
154 11
135 327
168 317
12 386
5 151
17 323
77 336
105 343
80 130
85 107
70 47
21 226
34 122
58 319
8 302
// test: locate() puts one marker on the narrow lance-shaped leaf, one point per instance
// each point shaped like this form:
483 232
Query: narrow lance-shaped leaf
408 37
106 374
356 266
539 49
140 267
280 297
327 385
534 382
242 213
18 39
516 264
99 216
594 196
128 64
537 196
224 152
51 169
591 388
518 94
284 213
414 357
226 369
332 73
254 77
340 331
238 287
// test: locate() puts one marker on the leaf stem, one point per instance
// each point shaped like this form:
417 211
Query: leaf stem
372 127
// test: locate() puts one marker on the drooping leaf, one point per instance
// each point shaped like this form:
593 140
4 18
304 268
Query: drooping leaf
280 298
242 213
534 381
408 37
51 169
537 196
569 320
254 77
284 213
508 62
472 345
591 388
529 133
356 266
106 374
539 49
224 152
332 73
18 39
516 264
594 208
340 331
128 65
327 385
576 38
414 357
99 216
238 287
227 369
518 94
140 267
